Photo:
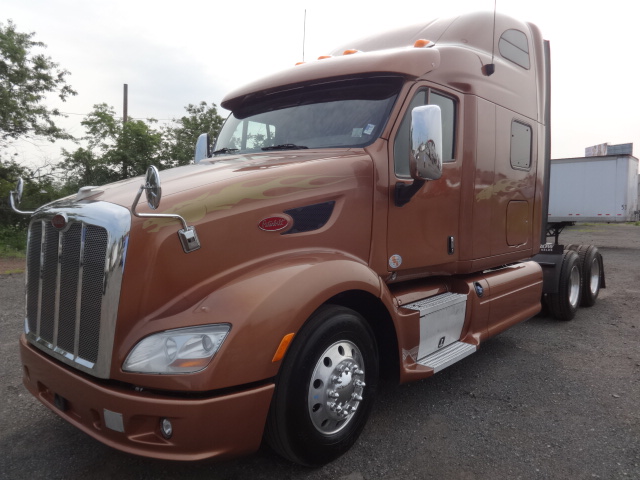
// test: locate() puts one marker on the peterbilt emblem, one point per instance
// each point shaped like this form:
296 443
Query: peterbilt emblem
273 224
59 221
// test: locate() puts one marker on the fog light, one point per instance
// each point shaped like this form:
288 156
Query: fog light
166 428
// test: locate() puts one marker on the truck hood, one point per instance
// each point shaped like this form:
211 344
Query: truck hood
223 169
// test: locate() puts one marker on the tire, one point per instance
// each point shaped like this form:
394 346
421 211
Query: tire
325 389
592 274
564 304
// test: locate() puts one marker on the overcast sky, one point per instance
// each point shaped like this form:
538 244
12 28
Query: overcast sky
175 53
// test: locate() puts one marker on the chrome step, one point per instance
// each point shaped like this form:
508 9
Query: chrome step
448 356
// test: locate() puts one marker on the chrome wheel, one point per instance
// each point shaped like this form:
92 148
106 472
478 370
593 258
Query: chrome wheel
336 387
574 286
564 303
321 403
594 279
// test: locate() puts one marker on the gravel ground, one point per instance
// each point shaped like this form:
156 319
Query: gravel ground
544 400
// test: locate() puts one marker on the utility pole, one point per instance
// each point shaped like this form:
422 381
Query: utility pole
125 106
125 103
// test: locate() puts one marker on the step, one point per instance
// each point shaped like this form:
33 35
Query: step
448 356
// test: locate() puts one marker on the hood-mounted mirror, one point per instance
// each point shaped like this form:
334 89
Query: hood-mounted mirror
187 235
15 196
152 187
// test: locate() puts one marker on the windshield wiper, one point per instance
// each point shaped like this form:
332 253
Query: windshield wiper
284 146
225 150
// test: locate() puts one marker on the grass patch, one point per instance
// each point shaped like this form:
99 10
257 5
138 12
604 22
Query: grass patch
15 270
13 241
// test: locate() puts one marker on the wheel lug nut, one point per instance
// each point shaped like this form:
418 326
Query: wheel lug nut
360 383
356 397
333 394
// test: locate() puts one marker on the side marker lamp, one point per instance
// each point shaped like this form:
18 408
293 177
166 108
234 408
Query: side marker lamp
421 43
282 348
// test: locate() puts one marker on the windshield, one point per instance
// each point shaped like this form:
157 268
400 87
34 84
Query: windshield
342 113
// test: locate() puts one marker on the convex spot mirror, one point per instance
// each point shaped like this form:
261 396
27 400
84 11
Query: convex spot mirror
425 157
17 194
152 187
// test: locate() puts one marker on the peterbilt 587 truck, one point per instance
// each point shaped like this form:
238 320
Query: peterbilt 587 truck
376 213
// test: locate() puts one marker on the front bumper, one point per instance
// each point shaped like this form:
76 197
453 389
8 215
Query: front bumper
221 426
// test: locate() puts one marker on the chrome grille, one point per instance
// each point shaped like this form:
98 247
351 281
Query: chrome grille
73 283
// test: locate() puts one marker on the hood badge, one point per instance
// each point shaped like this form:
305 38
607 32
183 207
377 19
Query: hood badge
59 221
274 223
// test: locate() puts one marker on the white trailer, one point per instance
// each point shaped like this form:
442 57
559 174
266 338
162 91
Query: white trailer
594 189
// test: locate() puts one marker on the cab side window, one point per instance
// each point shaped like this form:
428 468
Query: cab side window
401 146
448 109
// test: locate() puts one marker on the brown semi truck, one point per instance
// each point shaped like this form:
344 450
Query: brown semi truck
376 213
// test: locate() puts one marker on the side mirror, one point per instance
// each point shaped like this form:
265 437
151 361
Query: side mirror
203 148
15 197
19 191
187 235
425 158
152 187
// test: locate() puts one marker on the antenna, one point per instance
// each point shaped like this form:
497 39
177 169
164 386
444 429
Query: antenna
490 68
304 32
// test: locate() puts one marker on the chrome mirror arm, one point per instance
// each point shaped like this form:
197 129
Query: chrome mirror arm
18 193
187 235
154 215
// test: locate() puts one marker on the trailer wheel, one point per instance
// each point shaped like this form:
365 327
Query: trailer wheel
563 305
592 273
325 389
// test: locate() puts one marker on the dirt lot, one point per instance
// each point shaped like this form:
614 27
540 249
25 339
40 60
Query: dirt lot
544 400
12 265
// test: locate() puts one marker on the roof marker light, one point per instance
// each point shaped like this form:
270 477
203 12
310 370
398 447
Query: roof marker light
421 43
351 51
300 63
322 57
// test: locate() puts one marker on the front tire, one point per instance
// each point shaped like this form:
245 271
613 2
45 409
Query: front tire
325 388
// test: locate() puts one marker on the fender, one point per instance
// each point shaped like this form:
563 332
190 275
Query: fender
263 304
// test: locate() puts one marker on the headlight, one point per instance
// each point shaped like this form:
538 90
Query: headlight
184 350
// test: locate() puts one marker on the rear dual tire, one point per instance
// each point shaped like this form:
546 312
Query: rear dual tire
592 270
564 304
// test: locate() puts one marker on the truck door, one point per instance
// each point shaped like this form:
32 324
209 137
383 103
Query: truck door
422 234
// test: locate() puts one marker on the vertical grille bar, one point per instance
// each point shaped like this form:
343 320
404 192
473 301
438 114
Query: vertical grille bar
33 275
93 272
69 269
49 283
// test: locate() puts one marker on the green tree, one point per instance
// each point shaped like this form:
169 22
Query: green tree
180 139
114 151
40 187
26 79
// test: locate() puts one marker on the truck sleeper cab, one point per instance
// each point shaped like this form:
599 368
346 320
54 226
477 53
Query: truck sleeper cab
370 214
